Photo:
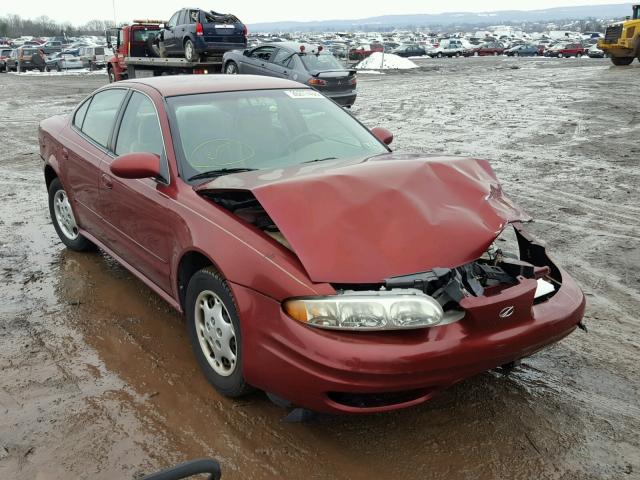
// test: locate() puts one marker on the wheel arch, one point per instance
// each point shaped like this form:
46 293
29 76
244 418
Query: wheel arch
50 175
191 261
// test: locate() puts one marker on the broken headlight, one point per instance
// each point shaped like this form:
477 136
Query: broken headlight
367 311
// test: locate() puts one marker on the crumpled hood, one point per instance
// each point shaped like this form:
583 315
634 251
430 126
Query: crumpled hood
362 222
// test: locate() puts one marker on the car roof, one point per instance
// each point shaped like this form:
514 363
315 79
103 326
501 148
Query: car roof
174 85
292 46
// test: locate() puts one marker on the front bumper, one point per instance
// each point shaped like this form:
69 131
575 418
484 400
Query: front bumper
325 371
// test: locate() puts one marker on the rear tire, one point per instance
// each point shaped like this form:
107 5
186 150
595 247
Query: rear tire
622 61
190 51
231 68
63 219
213 326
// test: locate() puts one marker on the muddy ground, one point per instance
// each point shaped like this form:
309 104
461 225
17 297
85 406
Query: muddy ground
97 379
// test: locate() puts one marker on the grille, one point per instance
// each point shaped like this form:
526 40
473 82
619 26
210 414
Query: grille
370 400
613 34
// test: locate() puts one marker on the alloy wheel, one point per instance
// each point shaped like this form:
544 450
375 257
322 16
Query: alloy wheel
216 334
64 215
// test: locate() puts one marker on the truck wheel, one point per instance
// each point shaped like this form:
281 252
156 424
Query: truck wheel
111 75
621 61
190 51
213 326
231 68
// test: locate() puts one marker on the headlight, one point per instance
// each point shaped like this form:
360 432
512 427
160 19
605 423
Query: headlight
385 310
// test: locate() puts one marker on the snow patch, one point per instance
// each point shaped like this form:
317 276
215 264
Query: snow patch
385 61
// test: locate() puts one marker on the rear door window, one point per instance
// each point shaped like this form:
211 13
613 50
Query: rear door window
101 115
283 58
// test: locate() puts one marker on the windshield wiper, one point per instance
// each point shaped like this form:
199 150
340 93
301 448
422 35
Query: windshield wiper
220 172
320 159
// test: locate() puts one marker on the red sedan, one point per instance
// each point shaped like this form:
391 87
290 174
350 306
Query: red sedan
308 259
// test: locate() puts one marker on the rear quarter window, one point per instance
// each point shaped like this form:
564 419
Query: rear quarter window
78 118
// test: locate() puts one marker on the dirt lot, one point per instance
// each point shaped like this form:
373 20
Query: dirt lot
97 379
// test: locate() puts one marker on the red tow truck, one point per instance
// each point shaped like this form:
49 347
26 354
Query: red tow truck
135 56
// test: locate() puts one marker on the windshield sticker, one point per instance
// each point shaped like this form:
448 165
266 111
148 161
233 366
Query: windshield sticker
301 93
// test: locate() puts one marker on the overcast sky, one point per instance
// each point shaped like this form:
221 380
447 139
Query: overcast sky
253 11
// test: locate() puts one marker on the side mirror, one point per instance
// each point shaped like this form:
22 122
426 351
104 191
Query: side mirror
382 134
246 53
136 165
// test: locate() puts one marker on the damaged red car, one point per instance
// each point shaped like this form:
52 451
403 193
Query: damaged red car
309 260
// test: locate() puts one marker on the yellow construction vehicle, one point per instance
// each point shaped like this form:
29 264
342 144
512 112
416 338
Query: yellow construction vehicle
622 40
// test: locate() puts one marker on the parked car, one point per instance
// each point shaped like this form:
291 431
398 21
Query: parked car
52 46
23 59
5 53
486 49
565 50
528 50
409 51
595 52
195 33
361 52
94 57
63 61
304 63
449 48
254 205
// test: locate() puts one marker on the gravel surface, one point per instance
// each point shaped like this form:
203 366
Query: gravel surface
97 379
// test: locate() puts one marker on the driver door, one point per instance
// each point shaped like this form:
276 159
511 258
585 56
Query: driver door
256 61
138 214
169 33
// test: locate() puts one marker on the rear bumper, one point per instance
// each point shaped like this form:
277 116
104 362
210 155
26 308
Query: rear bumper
343 99
308 366
204 47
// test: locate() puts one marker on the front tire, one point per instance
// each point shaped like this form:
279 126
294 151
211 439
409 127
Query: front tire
190 51
63 219
231 68
213 326
111 75
622 61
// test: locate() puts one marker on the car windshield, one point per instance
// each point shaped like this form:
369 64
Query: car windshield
264 129
323 61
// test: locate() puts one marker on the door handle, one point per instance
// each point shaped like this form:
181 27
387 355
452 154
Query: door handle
106 181
65 154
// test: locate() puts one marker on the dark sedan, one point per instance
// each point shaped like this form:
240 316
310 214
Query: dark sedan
304 63
409 51
523 51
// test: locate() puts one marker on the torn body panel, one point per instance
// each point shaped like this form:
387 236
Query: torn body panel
363 222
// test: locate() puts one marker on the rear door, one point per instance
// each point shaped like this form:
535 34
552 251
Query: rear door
82 153
137 213
280 64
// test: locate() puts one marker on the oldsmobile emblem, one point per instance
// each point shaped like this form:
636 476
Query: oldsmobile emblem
506 312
